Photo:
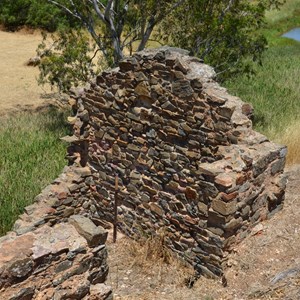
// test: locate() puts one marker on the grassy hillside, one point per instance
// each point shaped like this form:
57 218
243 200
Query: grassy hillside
274 90
31 156
281 21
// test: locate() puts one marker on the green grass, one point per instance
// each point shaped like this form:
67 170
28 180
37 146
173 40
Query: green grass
281 21
288 14
31 156
274 90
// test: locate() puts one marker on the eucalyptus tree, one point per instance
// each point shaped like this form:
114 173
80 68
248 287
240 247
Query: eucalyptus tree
115 25
224 33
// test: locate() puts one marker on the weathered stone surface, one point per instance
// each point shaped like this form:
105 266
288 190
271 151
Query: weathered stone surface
224 208
52 240
188 155
21 267
210 169
100 291
191 194
128 64
224 180
182 88
94 235
53 260
185 152
142 89
17 248
23 294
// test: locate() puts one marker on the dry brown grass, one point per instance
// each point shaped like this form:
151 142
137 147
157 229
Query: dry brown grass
291 138
146 271
153 252
150 253
142 269
149 271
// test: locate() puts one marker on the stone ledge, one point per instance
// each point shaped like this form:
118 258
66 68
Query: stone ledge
53 253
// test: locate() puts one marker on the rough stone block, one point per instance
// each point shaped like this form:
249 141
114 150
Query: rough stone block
95 235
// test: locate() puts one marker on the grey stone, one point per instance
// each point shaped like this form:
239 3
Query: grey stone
23 294
65 265
21 267
182 88
94 235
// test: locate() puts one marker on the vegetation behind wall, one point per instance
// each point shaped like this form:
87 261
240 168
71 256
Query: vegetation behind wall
274 90
33 13
31 156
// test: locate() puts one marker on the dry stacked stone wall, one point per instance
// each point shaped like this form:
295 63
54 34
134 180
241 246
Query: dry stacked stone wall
189 165
54 251
189 168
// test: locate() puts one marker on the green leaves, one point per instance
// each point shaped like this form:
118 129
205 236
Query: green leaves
224 33
33 13
68 60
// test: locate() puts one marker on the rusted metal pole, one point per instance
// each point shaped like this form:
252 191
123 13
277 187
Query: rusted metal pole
116 209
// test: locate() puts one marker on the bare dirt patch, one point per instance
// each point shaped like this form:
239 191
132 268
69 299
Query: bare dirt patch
18 85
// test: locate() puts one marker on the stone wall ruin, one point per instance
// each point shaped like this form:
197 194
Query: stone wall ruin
190 168
188 161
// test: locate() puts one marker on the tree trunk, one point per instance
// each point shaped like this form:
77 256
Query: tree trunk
146 36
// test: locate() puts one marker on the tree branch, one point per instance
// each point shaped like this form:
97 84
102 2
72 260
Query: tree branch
154 21
65 9
224 12
98 11
107 10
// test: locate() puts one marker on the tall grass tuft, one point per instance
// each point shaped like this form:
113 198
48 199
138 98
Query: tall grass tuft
31 155
291 137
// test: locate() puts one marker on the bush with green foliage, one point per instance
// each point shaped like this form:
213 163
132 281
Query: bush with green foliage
14 13
274 90
68 60
33 13
224 33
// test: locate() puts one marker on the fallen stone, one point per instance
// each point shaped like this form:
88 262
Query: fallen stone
94 235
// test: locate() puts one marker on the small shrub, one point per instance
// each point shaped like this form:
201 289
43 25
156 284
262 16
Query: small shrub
68 60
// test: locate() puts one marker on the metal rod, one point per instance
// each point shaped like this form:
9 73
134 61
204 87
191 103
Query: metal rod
116 209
